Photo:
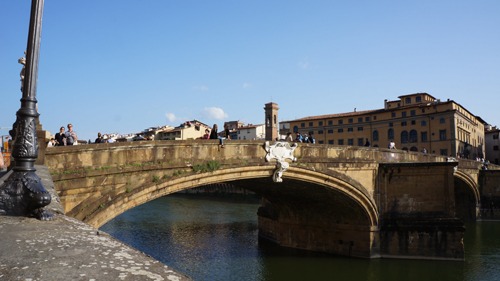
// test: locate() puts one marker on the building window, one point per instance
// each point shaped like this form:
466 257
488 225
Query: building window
390 134
374 117
443 152
423 136
350 120
349 129
442 120
302 125
413 113
367 119
375 135
495 147
495 136
403 123
320 123
442 135
360 129
404 137
408 100
341 122
295 129
423 123
413 136
403 114
418 99
390 124
360 142
330 131
340 142
320 132
330 142
321 142
360 119
350 142
340 130
413 122
311 124
393 114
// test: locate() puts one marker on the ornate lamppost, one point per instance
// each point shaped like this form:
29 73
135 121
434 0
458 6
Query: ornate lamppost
23 193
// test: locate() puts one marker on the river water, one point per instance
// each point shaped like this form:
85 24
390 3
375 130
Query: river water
216 239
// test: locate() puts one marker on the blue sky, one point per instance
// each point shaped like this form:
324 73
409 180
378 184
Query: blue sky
122 66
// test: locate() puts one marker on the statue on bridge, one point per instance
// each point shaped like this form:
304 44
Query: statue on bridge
280 151
22 61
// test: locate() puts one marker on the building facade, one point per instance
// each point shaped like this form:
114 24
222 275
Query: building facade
189 130
493 145
252 132
415 122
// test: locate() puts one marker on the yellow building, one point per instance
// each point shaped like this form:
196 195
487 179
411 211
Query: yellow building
415 122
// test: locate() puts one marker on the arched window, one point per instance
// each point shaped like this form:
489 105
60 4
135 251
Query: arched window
375 136
295 129
413 136
413 148
404 137
390 134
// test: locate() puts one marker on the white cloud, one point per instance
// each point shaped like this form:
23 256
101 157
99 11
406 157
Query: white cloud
247 85
214 113
171 117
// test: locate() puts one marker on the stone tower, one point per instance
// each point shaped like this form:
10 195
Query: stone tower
271 111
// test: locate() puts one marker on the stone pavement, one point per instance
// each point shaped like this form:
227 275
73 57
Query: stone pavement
67 249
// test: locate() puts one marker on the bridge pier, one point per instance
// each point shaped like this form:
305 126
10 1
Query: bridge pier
418 211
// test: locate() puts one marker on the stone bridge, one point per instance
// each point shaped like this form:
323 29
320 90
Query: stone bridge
353 201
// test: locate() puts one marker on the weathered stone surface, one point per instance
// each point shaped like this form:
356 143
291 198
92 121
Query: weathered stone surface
67 249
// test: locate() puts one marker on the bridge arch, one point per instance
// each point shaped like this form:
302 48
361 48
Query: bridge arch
467 197
111 208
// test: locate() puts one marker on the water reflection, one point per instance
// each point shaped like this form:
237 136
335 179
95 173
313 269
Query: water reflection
211 239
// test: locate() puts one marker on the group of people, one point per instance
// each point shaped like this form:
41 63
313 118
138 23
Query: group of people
213 135
63 138
103 139
301 138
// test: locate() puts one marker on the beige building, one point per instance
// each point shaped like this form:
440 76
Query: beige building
492 139
415 122
189 130
251 132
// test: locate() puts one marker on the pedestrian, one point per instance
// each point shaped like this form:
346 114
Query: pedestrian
298 137
99 138
289 137
311 138
51 143
60 137
206 136
367 143
71 137
392 145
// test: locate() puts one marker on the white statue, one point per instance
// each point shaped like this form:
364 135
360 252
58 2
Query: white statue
22 61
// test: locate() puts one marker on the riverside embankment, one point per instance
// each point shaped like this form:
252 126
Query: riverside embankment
67 249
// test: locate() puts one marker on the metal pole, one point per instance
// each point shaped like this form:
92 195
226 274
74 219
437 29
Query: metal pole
23 194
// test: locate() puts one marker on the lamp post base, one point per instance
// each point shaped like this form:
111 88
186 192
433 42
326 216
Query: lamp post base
23 194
